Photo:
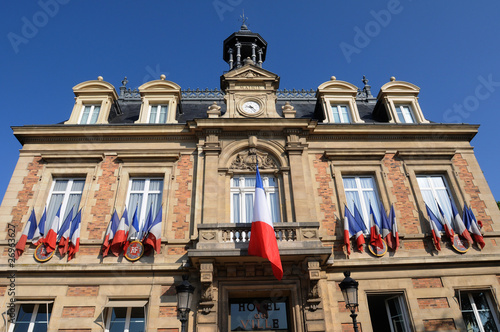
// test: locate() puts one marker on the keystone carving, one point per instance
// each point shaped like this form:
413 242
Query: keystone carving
247 160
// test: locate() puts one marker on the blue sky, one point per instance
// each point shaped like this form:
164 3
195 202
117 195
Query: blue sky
449 49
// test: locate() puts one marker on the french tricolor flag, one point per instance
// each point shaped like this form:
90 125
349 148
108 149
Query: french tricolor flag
375 238
50 240
40 230
28 233
64 233
473 227
459 224
110 233
435 229
153 238
121 235
74 244
263 239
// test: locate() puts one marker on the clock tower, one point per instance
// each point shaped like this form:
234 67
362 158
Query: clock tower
250 90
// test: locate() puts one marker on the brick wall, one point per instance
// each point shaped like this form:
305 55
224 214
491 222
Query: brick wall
78 312
168 330
431 303
168 311
427 283
104 197
82 291
23 196
476 203
444 324
182 208
325 193
408 223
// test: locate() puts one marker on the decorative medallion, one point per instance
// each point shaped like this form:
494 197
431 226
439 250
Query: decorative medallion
41 255
247 160
135 250
460 245
376 251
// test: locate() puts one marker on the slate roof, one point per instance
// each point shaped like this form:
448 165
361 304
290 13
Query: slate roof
195 105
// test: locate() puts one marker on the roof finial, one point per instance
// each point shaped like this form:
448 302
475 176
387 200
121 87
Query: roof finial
243 20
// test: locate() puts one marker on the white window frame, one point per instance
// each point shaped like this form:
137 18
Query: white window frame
158 113
67 193
127 318
404 311
364 209
338 107
242 190
37 305
445 206
145 192
406 113
491 306
91 113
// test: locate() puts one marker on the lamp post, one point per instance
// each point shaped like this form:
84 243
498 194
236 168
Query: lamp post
349 288
184 296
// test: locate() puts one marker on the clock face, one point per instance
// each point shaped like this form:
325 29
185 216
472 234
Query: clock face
251 107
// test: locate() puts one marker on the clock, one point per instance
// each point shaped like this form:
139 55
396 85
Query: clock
251 107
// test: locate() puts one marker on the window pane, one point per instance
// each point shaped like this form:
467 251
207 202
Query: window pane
344 114
152 114
273 199
248 207
163 114
349 183
73 203
433 190
236 182
21 326
95 114
42 312
134 202
118 317
335 114
138 184
137 320
470 322
85 115
236 208
55 202
249 182
25 313
78 185
61 185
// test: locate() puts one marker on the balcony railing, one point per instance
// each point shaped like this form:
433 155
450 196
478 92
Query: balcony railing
229 235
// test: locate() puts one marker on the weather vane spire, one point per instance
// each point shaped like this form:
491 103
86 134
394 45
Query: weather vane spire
243 19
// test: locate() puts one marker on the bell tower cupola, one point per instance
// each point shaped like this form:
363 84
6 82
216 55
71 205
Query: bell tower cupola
244 44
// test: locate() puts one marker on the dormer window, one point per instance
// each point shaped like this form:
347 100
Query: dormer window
405 114
338 102
93 102
90 114
398 103
159 101
340 114
158 113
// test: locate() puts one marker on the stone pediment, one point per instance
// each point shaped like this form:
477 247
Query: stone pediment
250 71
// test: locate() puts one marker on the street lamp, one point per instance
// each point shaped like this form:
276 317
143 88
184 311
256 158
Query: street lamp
349 288
184 296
